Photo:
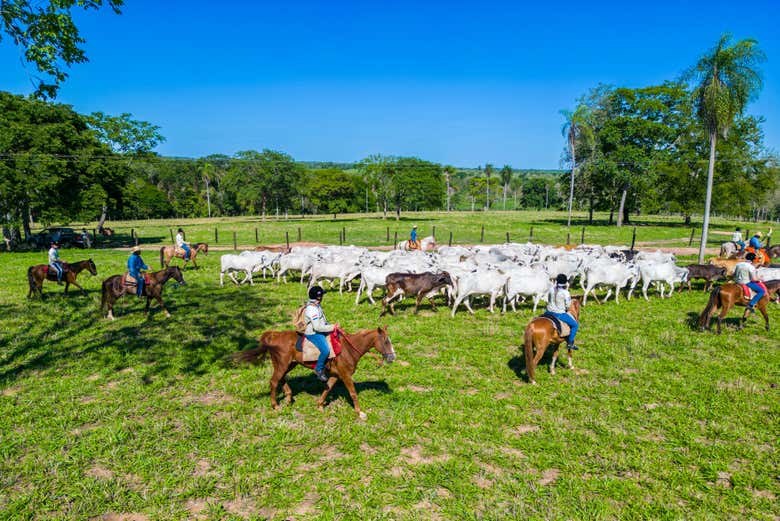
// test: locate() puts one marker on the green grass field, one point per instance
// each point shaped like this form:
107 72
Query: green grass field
144 419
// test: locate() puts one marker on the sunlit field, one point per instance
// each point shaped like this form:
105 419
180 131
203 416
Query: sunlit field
146 418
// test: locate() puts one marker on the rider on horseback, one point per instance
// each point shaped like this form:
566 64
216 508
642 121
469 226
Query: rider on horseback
558 302
413 243
317 327
134 266
736 238
745 274
54 261
180 243
755 241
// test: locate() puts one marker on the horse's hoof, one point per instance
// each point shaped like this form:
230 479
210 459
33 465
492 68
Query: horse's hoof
533 382
277 407
362 415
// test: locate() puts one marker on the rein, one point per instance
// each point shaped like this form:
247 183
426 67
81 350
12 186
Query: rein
355 349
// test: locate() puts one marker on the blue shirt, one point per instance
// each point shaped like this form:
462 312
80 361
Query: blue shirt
135 264
755 242
414 235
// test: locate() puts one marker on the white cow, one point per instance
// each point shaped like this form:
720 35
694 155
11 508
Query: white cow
230 263
657 272
607 274
526 282
371 278
481 282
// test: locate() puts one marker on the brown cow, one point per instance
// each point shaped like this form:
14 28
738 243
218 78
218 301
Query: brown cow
729 264
421 285
707 272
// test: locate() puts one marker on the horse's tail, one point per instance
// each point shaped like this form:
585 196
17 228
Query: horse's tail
711 304
30 280
162 254
528 339
253 356
104 293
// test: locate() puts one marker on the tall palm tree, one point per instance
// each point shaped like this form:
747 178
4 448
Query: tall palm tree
488 173
506 178
575 128
726 79
448 171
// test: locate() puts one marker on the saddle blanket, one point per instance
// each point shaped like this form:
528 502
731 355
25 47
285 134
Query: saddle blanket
65 268
563 328
179 252
310 351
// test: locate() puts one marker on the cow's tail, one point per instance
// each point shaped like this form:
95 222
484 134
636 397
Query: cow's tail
528 349
162 255
712 304
253 356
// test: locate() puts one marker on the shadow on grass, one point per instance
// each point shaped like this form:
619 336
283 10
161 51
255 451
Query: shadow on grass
517 363
308 383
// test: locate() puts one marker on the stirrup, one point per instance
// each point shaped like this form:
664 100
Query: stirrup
572 347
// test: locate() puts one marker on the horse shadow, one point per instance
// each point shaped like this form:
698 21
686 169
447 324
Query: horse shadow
693 321
310 385
517 363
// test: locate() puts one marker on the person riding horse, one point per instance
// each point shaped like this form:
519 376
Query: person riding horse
317 327
182 244
54 261
745 274
414 244
558 302
134 266
736 238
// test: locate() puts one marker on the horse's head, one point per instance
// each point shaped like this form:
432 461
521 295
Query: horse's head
91 267
574 308
177 275
384 345
203 248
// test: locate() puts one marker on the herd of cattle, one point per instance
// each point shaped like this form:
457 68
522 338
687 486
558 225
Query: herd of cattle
513 272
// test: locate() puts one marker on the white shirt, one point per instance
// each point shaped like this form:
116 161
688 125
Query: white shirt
179 240
744 272
736 237
54 255
315 319
558 300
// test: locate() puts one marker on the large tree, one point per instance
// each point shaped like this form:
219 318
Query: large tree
576 130
506 177
726 79
47 36
265 180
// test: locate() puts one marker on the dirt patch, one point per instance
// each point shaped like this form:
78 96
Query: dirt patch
396 472
11 391
210 398
724 480
417 389
515 453
329 453
112 516
764 494
110 386
503 396
402 363
83 428
97 471
443 493
197 507
525 429
650 406
471 391
414 456
629 370
134 481
549 476
93 377
483 482
202 468
241 506
306 506
365 448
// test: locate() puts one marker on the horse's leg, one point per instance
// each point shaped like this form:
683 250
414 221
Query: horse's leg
762 309
350 385
277 376
570 354
723 312
286 387
162 306
83 292
554 359
328 387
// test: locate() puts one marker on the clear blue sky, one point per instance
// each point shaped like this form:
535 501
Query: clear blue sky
454 82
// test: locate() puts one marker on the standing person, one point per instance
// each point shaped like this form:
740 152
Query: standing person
558 302
85 240
134 266
745 274
54 261
736 238
317 327
180 243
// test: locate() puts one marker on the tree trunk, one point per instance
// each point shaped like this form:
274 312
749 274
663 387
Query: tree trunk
448 192
398 212
687 219
505 187
611 215
621 215
708 198
208 198
26 218
384 208
103 215
590 211
487 193
571 183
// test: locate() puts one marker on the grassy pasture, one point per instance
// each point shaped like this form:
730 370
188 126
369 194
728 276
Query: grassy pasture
144 417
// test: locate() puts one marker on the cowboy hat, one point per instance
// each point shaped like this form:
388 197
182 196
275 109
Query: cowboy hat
759 234
135 249
415 226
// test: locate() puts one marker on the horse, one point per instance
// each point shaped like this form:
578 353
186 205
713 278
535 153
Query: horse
539 334
729 250
168 252
773 251
113 289
426 244
106 232
729 295
40 272
280 345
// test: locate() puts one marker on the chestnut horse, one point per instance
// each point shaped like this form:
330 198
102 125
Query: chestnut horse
40 272
113 289
539 334
729 295
280 345
169 252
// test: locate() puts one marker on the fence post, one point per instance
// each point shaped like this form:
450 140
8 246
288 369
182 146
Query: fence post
235 244
171 232
433 233
507 237
287 239
136 239
388 234
256 239
395 239
582 236
344 233
633 239
531 239
340 241
94 236
132 234
690 241
299 234
450 242
568 238
482 234
216 236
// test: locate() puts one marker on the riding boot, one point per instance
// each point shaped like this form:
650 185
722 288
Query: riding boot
572 347
321 376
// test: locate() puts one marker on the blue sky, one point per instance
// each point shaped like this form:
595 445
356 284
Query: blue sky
463 83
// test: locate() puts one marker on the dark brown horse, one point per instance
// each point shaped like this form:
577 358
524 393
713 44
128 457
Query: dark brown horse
773 251
539 334
280 345
729 295
40 272
114 289
169 252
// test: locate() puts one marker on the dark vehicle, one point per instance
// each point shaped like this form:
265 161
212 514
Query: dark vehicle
65 236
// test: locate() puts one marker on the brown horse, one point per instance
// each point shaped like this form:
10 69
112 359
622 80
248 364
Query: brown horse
281 347
113 289
773 251
729 295
169 252
40 272
539 334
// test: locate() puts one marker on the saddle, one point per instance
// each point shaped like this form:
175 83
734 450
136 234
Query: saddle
563 329
129 280
750 293
310 353
413 245
179 252
65 268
